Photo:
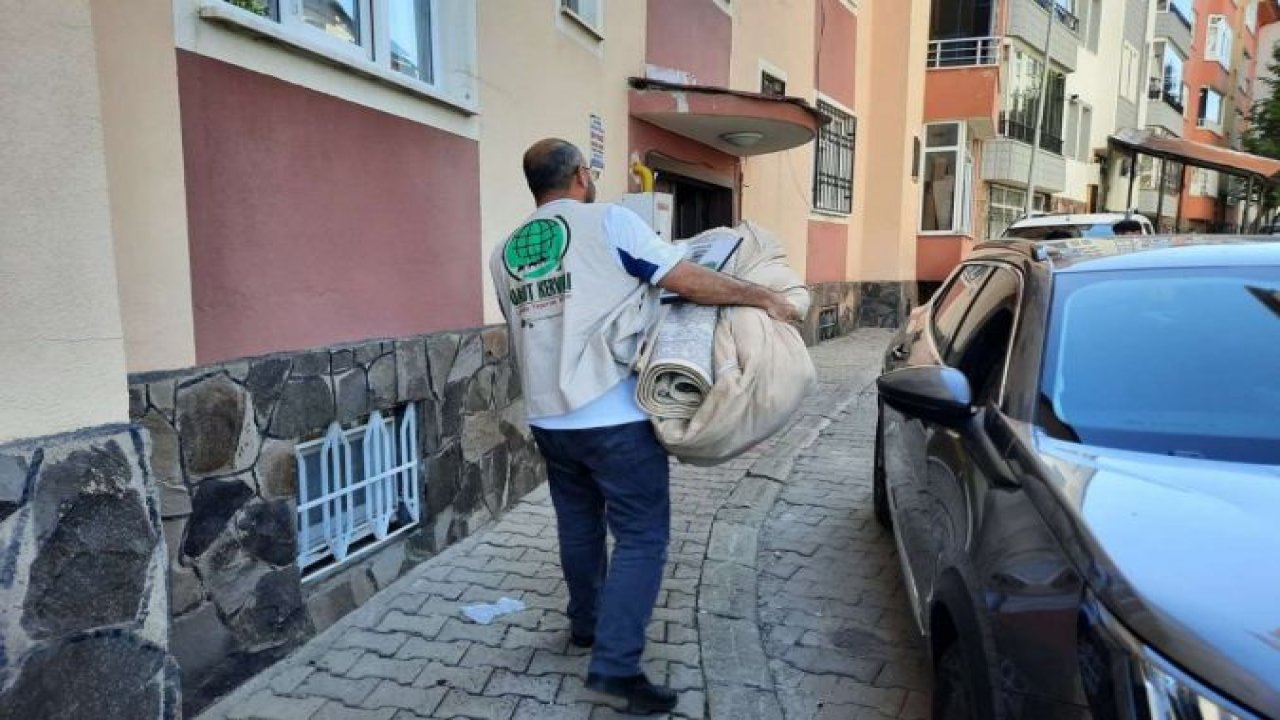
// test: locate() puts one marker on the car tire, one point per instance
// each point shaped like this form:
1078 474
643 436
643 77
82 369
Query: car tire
954 696
879 489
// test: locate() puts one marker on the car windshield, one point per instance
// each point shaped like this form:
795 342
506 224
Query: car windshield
1179 362
1044 232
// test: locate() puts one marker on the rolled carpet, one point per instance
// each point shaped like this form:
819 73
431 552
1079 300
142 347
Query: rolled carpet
679 362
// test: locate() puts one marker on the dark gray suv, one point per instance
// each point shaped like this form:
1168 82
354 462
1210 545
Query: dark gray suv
1078 452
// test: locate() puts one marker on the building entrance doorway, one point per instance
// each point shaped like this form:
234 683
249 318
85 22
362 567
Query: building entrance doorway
699 205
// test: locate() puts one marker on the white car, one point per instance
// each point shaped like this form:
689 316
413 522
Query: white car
1064 226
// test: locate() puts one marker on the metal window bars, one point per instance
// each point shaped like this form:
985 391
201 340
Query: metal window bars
833 161
357 489
964 52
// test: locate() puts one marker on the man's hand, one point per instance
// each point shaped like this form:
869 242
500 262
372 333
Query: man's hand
781 309
708 287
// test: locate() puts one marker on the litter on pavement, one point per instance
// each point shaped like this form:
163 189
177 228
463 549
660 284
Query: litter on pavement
484 613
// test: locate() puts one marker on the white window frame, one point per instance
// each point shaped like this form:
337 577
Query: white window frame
1202 119
357 511
591 21
1218 39
452 44
962 193
1204 183
1000 197
1251 17
1130 71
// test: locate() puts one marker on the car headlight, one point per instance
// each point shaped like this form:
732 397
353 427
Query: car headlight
1124 679
1171 695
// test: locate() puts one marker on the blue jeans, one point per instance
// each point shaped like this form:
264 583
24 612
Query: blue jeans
615 476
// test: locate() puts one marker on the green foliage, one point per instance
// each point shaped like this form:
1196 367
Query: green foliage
1263 135
257 7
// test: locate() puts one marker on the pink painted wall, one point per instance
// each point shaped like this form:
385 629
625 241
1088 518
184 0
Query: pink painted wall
836 37
315 221
645 137
691 35
827 251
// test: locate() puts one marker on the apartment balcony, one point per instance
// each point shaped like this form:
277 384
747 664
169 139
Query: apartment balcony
1006 161
1165 109
963 83
1170 25
1027 20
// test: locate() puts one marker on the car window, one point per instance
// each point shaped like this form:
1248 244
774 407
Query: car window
1044 232
1176 362
953 300
981 345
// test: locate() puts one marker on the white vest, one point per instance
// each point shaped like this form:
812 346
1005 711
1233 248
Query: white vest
575 317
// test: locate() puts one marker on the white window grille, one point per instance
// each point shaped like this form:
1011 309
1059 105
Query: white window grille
357 489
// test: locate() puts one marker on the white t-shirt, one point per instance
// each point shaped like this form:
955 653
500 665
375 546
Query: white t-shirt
644 255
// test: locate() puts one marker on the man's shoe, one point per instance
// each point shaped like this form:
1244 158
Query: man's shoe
581 641
641 695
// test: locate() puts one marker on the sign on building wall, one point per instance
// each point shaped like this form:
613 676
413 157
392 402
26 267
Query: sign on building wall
597 143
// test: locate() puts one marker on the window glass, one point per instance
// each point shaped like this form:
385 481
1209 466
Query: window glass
942 135
833 160
950 304
937 213
982 342
411 39
1174 362
337 18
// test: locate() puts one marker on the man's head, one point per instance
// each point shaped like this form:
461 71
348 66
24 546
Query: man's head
555 169
1127 227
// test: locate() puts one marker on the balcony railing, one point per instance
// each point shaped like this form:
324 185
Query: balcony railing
1016 130
964 52
1064 15
1158 90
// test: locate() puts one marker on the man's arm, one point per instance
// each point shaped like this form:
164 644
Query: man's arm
708 287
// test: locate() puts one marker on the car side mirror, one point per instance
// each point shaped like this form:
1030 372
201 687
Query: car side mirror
931 393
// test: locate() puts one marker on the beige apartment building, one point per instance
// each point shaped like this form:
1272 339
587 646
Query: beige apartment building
245 238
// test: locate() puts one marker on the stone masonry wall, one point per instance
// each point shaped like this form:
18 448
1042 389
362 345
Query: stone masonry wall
84 613
222 452
859 305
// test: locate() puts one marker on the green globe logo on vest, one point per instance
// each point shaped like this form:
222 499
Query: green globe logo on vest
534 256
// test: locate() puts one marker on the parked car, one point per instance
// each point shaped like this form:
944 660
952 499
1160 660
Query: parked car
1065 225
1078 453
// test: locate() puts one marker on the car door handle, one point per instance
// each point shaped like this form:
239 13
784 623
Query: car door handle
900 352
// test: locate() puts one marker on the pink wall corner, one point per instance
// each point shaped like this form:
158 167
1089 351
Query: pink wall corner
691 35
645 138
315 221
836 37
827 252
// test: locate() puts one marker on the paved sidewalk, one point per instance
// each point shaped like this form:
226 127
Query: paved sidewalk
746 624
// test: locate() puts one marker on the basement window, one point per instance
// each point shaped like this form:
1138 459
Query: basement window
357 489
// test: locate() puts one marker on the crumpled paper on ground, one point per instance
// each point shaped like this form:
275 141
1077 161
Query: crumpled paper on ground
484 613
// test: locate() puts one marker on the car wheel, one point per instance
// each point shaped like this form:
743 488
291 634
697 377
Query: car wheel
953 694
879 491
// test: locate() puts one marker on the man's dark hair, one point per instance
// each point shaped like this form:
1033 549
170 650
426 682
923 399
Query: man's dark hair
1127 227
549 166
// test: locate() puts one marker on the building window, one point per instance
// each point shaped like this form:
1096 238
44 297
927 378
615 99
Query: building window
833 161
357 489
1094 25
1210 112
402 36
1166 75
1130 71
771 84
586 11
1017 120
1204 183
1004 206
1217 44
948 180
1184 9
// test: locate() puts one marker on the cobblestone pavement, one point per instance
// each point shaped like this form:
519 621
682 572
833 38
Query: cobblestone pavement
752 622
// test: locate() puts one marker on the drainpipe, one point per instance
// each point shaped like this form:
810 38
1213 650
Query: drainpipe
1044 90
1160 195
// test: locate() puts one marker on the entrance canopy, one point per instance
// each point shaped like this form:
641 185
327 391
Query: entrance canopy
1196 154
731 121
